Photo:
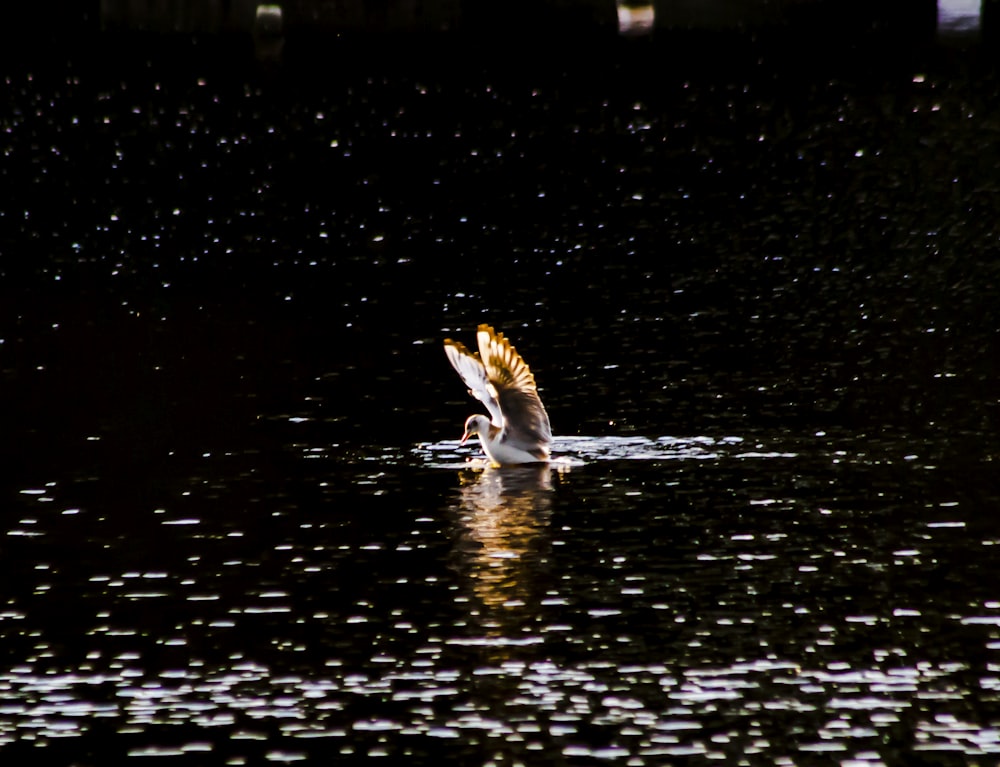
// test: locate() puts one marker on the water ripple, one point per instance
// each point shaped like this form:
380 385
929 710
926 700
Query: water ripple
641 712
576 451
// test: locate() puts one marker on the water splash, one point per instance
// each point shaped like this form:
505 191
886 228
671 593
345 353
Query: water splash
578 451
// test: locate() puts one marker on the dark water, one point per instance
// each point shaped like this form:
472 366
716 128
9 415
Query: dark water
762 307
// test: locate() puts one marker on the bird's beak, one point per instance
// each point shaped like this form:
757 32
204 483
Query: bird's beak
464 438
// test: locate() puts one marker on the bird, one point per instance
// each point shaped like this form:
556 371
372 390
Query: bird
518 430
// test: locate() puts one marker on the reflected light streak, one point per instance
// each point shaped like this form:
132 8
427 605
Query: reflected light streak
634 20
959 15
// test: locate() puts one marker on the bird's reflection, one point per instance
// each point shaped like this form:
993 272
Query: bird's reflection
501 543
502 549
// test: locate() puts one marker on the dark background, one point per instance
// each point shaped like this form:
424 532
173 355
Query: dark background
224 283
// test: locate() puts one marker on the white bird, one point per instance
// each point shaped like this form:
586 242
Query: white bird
518 429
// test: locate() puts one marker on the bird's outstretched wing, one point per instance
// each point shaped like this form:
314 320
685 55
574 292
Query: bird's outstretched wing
511 383
471 369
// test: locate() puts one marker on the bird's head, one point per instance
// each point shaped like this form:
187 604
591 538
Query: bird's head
475 424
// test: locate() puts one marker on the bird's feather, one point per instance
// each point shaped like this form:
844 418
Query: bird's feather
472 372
525 422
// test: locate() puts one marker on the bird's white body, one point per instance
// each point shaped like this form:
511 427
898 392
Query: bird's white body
519 430
499 451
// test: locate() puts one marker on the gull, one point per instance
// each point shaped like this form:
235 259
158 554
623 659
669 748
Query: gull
518 429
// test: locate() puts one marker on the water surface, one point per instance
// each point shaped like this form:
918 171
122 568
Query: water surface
762 312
